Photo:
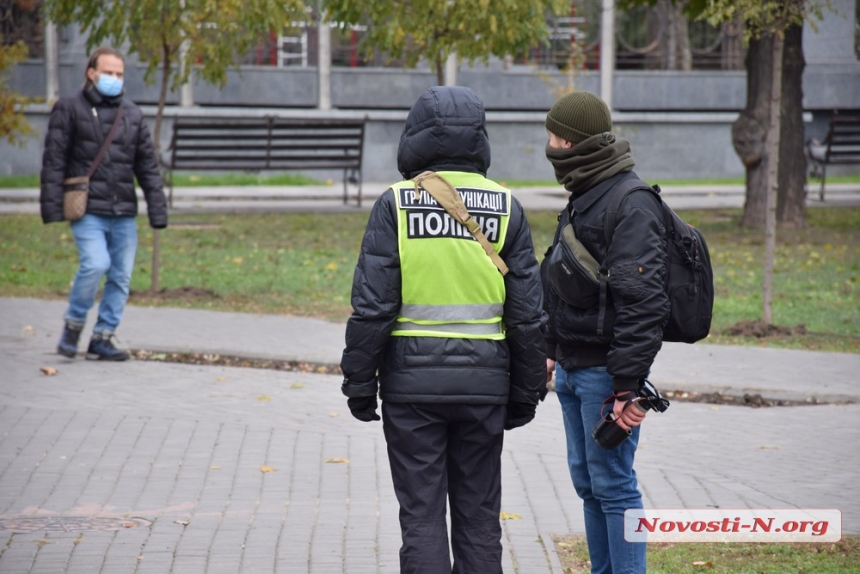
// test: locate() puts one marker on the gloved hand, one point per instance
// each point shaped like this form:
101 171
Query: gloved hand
364 408
519 414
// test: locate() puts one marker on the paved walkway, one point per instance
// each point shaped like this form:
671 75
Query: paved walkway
151 467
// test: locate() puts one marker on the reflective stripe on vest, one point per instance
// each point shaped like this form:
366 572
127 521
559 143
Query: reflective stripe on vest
449 287
475 312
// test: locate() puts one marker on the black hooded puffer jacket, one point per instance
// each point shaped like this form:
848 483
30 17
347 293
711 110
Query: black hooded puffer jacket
76 130
445 131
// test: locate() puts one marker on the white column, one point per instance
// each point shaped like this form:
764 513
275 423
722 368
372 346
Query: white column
451 69
607 51
186 92
52 67
324 65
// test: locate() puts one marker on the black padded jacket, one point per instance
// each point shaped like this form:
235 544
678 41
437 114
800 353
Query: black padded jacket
440 134
76 130
637 305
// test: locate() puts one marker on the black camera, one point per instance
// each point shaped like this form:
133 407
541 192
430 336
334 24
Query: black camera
608 434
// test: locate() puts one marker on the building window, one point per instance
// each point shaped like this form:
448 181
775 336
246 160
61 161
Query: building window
21 20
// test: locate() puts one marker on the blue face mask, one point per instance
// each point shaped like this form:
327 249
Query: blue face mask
109 85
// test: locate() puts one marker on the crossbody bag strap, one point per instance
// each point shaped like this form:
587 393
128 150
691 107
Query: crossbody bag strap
446 195
106 144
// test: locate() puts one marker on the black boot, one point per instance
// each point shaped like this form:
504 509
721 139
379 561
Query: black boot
103 348
68 346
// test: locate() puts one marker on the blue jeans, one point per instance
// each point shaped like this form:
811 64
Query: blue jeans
106 247
603 479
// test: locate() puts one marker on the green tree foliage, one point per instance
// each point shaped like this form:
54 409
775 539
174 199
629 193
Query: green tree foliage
759 16
213 32
433 29
13 125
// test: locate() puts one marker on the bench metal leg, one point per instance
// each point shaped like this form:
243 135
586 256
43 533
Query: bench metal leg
351 176
823 178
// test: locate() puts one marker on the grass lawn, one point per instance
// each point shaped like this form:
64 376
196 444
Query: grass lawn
841 557
303 263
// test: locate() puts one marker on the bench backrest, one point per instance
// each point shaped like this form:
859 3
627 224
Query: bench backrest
843 137
265 143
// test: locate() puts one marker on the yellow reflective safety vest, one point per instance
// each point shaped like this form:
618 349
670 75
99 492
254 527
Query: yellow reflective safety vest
450 288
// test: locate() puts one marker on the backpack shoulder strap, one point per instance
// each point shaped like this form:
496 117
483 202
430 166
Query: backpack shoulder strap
448 197
618 195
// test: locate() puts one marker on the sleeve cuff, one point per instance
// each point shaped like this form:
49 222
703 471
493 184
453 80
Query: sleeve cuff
518 395
355 389
624 384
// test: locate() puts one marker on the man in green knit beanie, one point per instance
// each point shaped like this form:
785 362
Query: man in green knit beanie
604 350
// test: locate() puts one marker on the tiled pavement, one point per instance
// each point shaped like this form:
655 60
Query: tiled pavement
152 467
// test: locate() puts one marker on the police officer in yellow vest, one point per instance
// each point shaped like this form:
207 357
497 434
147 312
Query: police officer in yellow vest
453 347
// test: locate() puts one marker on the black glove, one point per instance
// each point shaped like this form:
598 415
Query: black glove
364 408
519 414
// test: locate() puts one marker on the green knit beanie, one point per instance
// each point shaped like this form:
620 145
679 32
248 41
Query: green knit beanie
577 116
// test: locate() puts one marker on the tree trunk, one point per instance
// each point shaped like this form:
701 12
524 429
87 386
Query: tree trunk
771 154
162 100
440 69
750 131
791 202
156 136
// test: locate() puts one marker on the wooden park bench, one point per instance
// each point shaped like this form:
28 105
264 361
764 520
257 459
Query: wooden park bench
268 143
841 145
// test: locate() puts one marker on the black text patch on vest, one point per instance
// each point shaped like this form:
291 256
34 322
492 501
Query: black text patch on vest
427 219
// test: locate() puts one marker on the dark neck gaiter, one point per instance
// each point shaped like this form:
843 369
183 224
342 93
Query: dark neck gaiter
586 164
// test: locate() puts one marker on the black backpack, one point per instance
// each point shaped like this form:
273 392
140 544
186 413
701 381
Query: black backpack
689 276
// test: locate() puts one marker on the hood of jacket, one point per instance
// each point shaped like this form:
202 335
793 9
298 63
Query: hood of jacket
446 130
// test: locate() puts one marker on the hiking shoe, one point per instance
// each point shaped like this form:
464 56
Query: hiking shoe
68 346
103 347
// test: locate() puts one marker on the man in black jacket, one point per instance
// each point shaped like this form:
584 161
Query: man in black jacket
600 353
453 346
106 236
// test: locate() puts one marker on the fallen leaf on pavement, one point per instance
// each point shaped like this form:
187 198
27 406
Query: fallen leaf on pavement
768 447
509 516
341 460
297 386
264 398
267 469
49 371
333 415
